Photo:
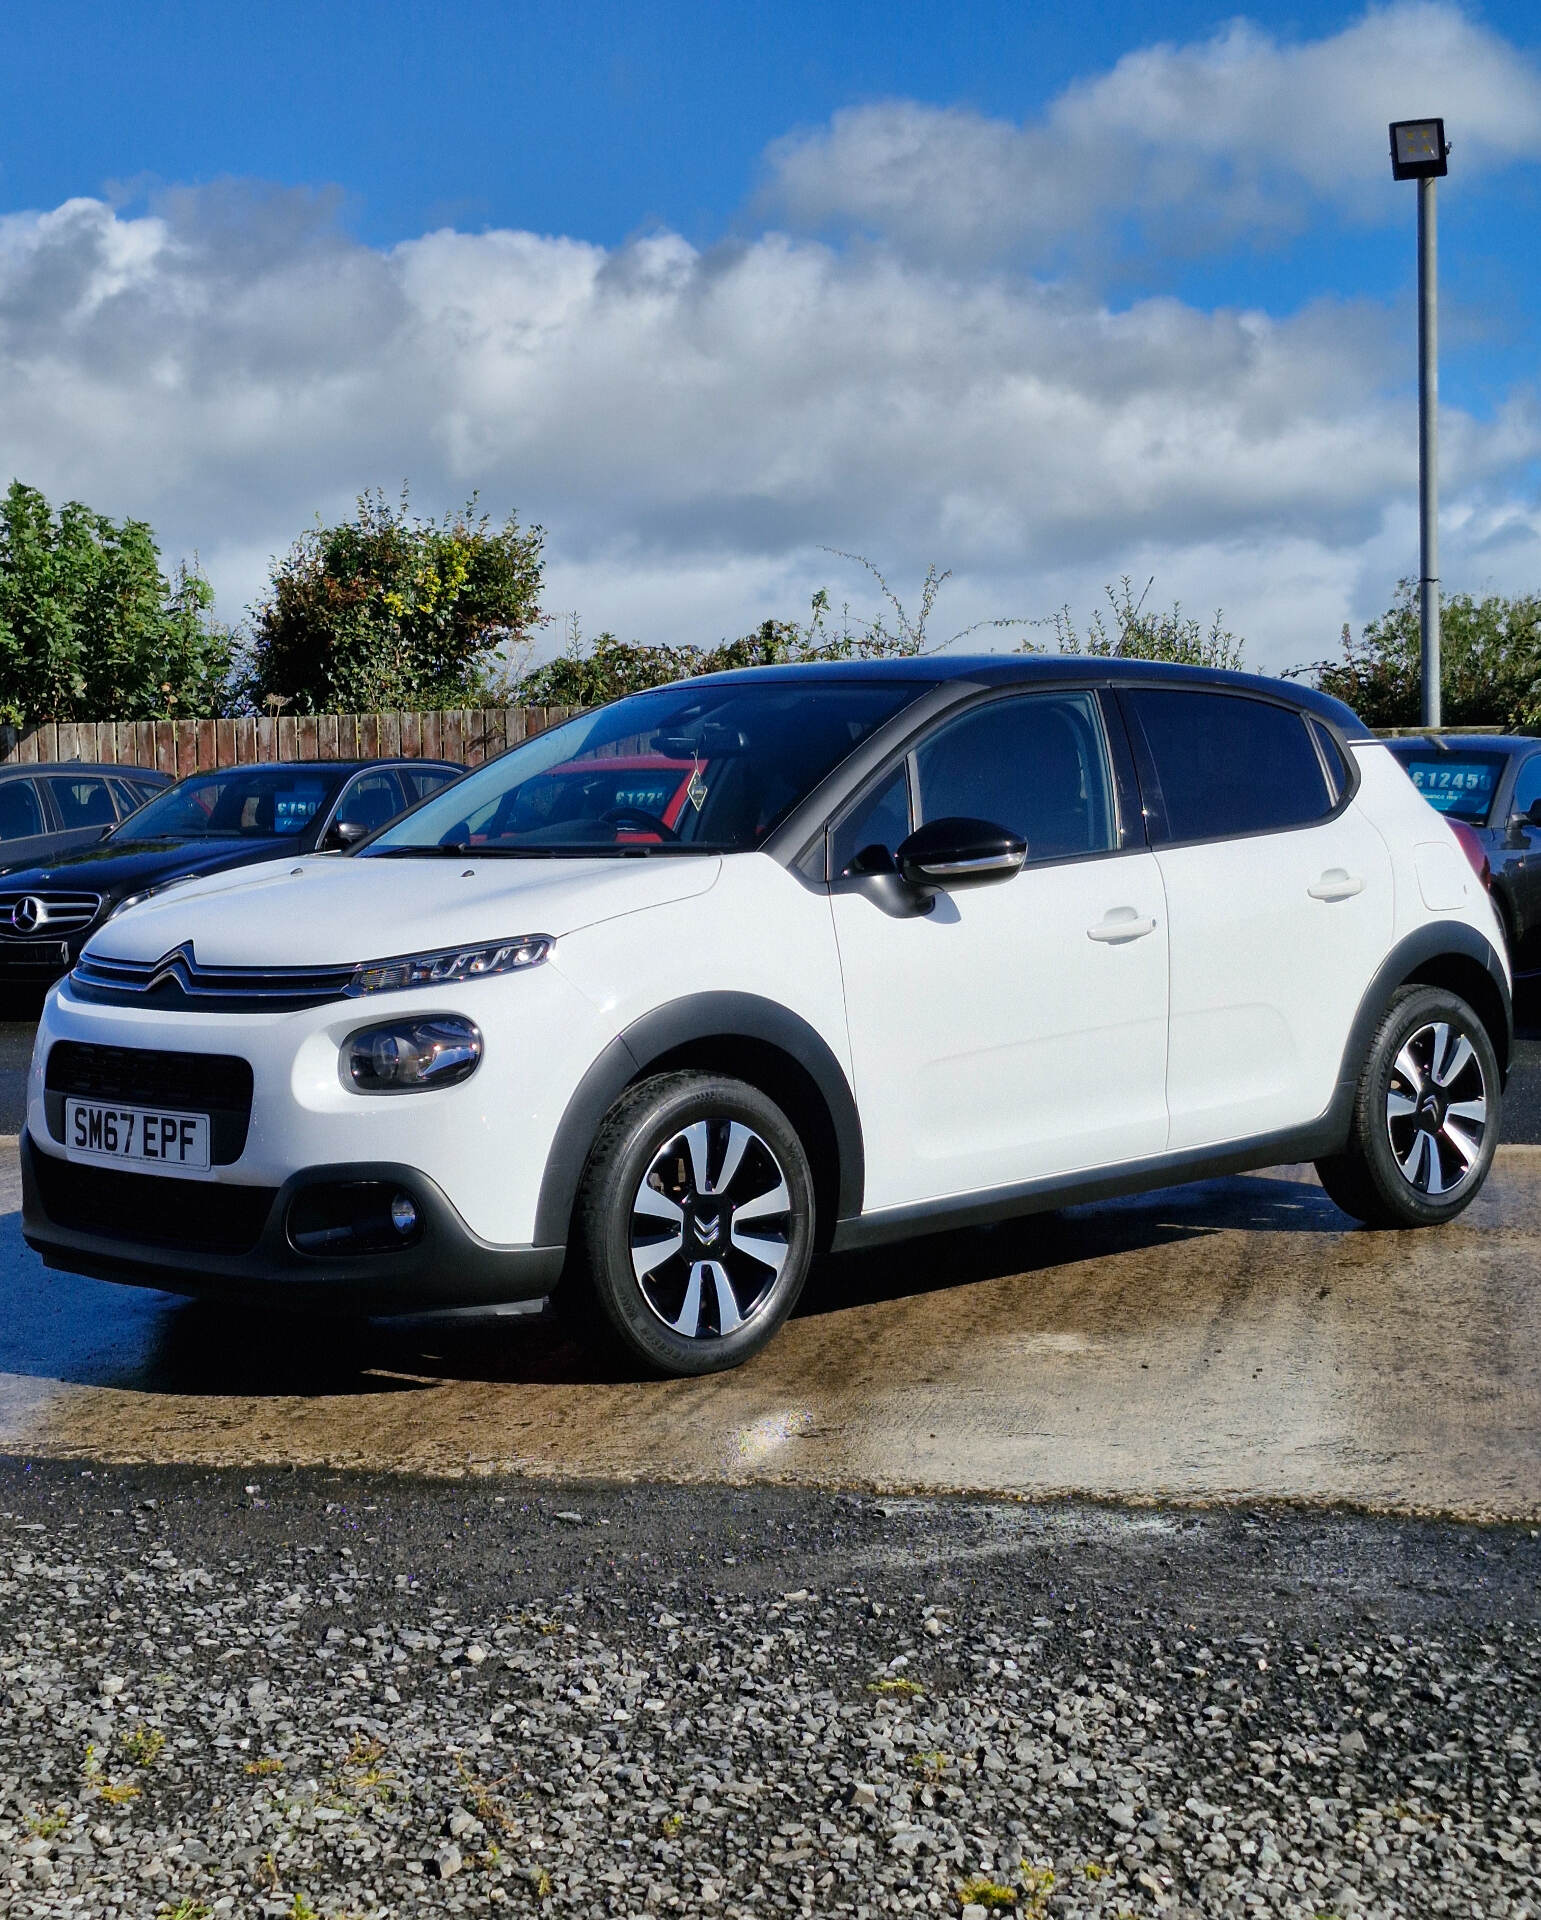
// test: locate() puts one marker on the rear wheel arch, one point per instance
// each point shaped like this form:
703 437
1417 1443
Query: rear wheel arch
746 1037
1442 953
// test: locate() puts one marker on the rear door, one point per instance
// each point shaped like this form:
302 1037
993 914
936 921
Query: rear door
83 805
1280 899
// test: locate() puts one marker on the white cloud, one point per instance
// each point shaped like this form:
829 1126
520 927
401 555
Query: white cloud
1200 143
693 427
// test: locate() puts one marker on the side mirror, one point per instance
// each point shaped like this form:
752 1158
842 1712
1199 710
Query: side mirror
347 833
960 853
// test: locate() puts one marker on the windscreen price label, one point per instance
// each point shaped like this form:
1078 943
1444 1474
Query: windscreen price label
148 1135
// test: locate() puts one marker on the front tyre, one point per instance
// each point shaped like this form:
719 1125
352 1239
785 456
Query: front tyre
1426 1115
695 1221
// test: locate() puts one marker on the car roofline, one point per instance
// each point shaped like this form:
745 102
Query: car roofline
997 670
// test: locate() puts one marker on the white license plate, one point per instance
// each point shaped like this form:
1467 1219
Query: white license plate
148 1134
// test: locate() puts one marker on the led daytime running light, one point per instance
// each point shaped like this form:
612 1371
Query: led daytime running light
449 965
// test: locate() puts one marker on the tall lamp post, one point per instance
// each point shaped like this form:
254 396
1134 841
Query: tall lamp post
1419 152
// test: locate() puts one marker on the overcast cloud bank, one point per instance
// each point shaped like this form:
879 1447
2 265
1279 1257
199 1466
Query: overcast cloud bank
889 371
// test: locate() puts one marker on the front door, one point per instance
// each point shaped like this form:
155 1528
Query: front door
1017 1030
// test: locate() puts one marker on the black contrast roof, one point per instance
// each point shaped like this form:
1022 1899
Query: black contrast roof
1051 669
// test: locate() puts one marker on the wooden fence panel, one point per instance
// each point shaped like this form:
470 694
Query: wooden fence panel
179 747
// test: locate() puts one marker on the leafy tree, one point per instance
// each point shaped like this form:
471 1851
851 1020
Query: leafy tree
91 629
1134 634
389 611
588 673
1490 663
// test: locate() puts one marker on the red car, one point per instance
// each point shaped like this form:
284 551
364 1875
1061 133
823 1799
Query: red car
643 788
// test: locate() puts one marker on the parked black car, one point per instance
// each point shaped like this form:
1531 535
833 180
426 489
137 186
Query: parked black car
1491 782
205 823
50 810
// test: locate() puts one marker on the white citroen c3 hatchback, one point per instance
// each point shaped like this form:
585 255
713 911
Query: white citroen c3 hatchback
669 999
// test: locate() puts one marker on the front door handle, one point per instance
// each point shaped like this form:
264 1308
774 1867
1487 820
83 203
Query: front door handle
1121 923
1337 883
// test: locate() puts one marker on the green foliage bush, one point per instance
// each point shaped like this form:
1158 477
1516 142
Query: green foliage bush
389 611
587 673
1134 634
90 628
1490 663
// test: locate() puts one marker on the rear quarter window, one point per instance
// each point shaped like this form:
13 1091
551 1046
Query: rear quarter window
1227 764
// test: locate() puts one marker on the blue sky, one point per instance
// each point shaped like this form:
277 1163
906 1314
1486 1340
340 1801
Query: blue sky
1187 213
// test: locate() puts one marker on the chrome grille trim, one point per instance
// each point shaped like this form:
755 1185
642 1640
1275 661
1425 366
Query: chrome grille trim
62 913
179 976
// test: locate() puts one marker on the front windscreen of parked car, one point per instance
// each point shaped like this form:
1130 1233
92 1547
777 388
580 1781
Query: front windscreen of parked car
681 769
1458 783
242 803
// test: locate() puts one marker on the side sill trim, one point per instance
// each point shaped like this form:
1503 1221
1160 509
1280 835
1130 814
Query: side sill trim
1312 1142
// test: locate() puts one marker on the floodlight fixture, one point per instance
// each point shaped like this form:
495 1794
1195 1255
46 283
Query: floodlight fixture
1418 150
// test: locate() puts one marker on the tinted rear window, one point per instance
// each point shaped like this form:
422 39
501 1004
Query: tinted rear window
1459 783
1229 765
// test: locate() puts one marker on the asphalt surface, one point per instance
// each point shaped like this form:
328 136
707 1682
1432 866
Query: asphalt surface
1235 1339
308 1693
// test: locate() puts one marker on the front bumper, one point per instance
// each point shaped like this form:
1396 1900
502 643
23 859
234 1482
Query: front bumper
446 1266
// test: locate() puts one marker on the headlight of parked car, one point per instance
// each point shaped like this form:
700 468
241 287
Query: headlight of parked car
411 1056
450 964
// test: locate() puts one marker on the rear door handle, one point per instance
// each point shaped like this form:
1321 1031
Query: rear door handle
1119 924
1337 883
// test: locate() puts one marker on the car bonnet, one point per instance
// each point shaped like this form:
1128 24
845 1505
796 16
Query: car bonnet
323 910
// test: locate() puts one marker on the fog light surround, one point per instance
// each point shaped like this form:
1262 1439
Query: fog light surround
412 1055
335 1219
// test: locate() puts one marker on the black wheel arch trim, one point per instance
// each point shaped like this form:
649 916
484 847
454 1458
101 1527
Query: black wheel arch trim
696 1018
1427 945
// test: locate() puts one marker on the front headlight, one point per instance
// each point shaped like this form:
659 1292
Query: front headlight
411 1056
450 965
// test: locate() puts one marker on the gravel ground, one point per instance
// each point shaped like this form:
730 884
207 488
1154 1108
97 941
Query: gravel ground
326 1695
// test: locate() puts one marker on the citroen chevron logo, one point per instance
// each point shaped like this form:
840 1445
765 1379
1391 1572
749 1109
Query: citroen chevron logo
172 968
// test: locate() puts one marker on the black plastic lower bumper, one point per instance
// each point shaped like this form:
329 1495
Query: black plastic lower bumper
67 1217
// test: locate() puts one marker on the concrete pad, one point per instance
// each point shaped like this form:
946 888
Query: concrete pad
1235 1339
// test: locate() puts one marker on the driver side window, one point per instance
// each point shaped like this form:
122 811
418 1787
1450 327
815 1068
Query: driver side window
1037 765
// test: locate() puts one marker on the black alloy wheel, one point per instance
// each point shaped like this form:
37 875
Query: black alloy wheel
1426 1115
695 1221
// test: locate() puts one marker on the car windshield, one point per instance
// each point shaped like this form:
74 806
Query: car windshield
1459 783
245 803
692 768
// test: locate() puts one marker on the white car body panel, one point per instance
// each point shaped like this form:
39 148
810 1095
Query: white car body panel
995 1040
1267 976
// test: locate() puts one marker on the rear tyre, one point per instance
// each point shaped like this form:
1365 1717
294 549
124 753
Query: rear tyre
695 1222
1426 1114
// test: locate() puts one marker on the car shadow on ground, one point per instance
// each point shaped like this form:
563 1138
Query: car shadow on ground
63 1328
